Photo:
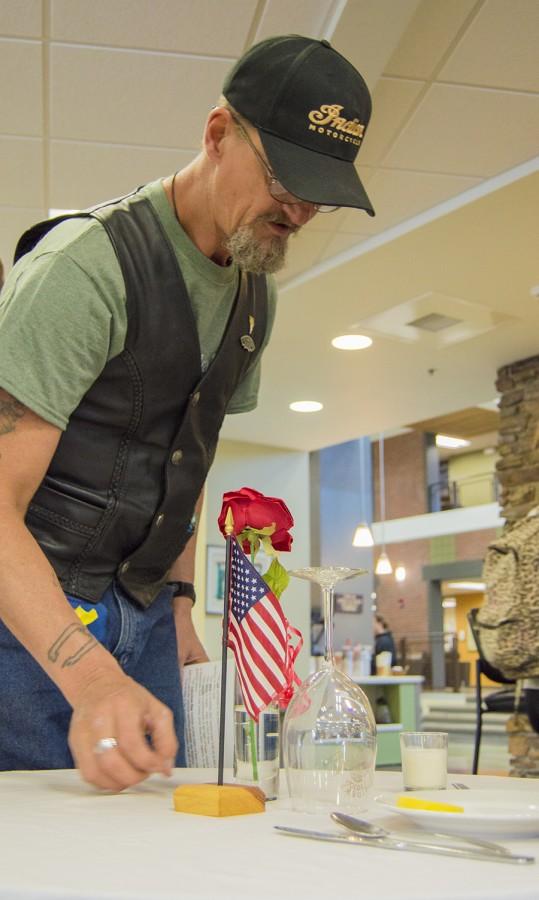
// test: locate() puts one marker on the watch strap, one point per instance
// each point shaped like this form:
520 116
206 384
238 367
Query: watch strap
183 589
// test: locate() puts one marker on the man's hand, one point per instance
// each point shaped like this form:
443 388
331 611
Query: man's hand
115 706
190 649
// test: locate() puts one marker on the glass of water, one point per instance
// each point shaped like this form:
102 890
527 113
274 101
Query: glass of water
257 747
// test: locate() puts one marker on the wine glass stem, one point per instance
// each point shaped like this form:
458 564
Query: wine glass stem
327 593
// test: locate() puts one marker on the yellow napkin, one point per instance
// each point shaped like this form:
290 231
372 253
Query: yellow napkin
407 802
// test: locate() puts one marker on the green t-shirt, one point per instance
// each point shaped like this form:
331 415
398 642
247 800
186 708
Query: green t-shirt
63 313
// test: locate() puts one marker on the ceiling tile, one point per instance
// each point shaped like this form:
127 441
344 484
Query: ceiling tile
303 252
356 221
468 131
21 172
428 37
392 102
127 97
368 32
20 73
156 24
109 171
500 48
20 18
327 222
13 222
398 195
341 242
299 17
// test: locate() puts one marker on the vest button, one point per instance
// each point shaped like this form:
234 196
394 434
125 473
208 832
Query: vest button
195 398
176 457
159 520
124 567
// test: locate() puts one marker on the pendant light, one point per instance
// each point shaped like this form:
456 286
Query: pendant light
383 565
363 536
400 573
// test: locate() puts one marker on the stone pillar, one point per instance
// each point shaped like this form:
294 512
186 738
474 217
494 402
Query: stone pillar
518 440
518 476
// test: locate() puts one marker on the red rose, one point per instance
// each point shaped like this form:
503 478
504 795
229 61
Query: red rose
251 509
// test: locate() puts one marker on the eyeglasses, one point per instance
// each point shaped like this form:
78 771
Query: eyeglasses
276 189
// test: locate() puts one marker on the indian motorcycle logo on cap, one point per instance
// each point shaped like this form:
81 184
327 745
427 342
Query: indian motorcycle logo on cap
328 120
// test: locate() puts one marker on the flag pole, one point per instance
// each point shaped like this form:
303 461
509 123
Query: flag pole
229 532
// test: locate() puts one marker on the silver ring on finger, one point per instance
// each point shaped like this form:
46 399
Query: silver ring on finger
104 744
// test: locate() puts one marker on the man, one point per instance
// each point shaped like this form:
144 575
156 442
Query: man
126 334
383 641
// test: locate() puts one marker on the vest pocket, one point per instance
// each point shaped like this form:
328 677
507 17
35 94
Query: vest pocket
68 506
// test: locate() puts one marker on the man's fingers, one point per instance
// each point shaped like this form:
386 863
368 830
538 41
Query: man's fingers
160 726
132 739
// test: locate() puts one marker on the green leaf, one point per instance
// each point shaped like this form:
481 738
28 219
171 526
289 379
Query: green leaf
277 578
268 547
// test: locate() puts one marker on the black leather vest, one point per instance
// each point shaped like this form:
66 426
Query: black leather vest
118 498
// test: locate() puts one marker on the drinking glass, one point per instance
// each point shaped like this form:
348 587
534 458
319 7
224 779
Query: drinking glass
256 746
329 732
424 760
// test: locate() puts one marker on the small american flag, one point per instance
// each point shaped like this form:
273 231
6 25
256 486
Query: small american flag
257 635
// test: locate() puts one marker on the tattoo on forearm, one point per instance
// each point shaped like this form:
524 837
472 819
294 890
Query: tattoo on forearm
10 411
71 631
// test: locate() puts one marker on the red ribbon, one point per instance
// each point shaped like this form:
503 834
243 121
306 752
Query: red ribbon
285 696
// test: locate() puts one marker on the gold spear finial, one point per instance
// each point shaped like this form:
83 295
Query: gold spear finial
229 522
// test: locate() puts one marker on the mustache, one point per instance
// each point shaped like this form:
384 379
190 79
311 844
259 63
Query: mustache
279 219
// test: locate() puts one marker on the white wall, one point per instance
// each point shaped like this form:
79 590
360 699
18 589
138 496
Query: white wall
277 473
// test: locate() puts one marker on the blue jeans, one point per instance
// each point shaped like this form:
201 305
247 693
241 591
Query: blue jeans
34 715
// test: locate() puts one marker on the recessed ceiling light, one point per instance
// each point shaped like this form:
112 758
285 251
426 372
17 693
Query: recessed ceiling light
306 406
450 443
352 342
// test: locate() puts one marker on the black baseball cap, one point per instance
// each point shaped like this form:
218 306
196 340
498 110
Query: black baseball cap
311 108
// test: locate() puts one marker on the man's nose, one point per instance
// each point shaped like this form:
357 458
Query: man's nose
300 213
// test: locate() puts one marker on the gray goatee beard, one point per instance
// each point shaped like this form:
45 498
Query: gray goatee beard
256 256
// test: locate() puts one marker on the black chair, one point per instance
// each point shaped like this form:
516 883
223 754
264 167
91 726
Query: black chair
499 701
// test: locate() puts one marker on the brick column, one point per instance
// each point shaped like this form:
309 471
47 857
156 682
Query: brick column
518 440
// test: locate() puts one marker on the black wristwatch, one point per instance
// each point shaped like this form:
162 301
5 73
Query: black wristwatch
183 589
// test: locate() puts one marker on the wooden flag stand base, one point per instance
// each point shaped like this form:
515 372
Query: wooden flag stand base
219 799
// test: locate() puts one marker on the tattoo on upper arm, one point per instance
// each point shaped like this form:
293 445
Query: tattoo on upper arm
73 630
10 411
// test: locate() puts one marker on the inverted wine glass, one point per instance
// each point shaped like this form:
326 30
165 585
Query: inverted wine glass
329 732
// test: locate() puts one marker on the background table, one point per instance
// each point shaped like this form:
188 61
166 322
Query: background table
59 838
402 695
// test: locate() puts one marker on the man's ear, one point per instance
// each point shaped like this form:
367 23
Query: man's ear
219 125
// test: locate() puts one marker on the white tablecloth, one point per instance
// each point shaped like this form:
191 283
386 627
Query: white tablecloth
59 838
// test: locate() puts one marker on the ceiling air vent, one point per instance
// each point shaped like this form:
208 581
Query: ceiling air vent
434 322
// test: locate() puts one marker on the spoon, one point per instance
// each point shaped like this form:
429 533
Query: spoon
369 830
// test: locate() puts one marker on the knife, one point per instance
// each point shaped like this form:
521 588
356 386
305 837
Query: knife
414 846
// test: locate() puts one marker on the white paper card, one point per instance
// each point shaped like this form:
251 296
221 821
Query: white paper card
201 686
